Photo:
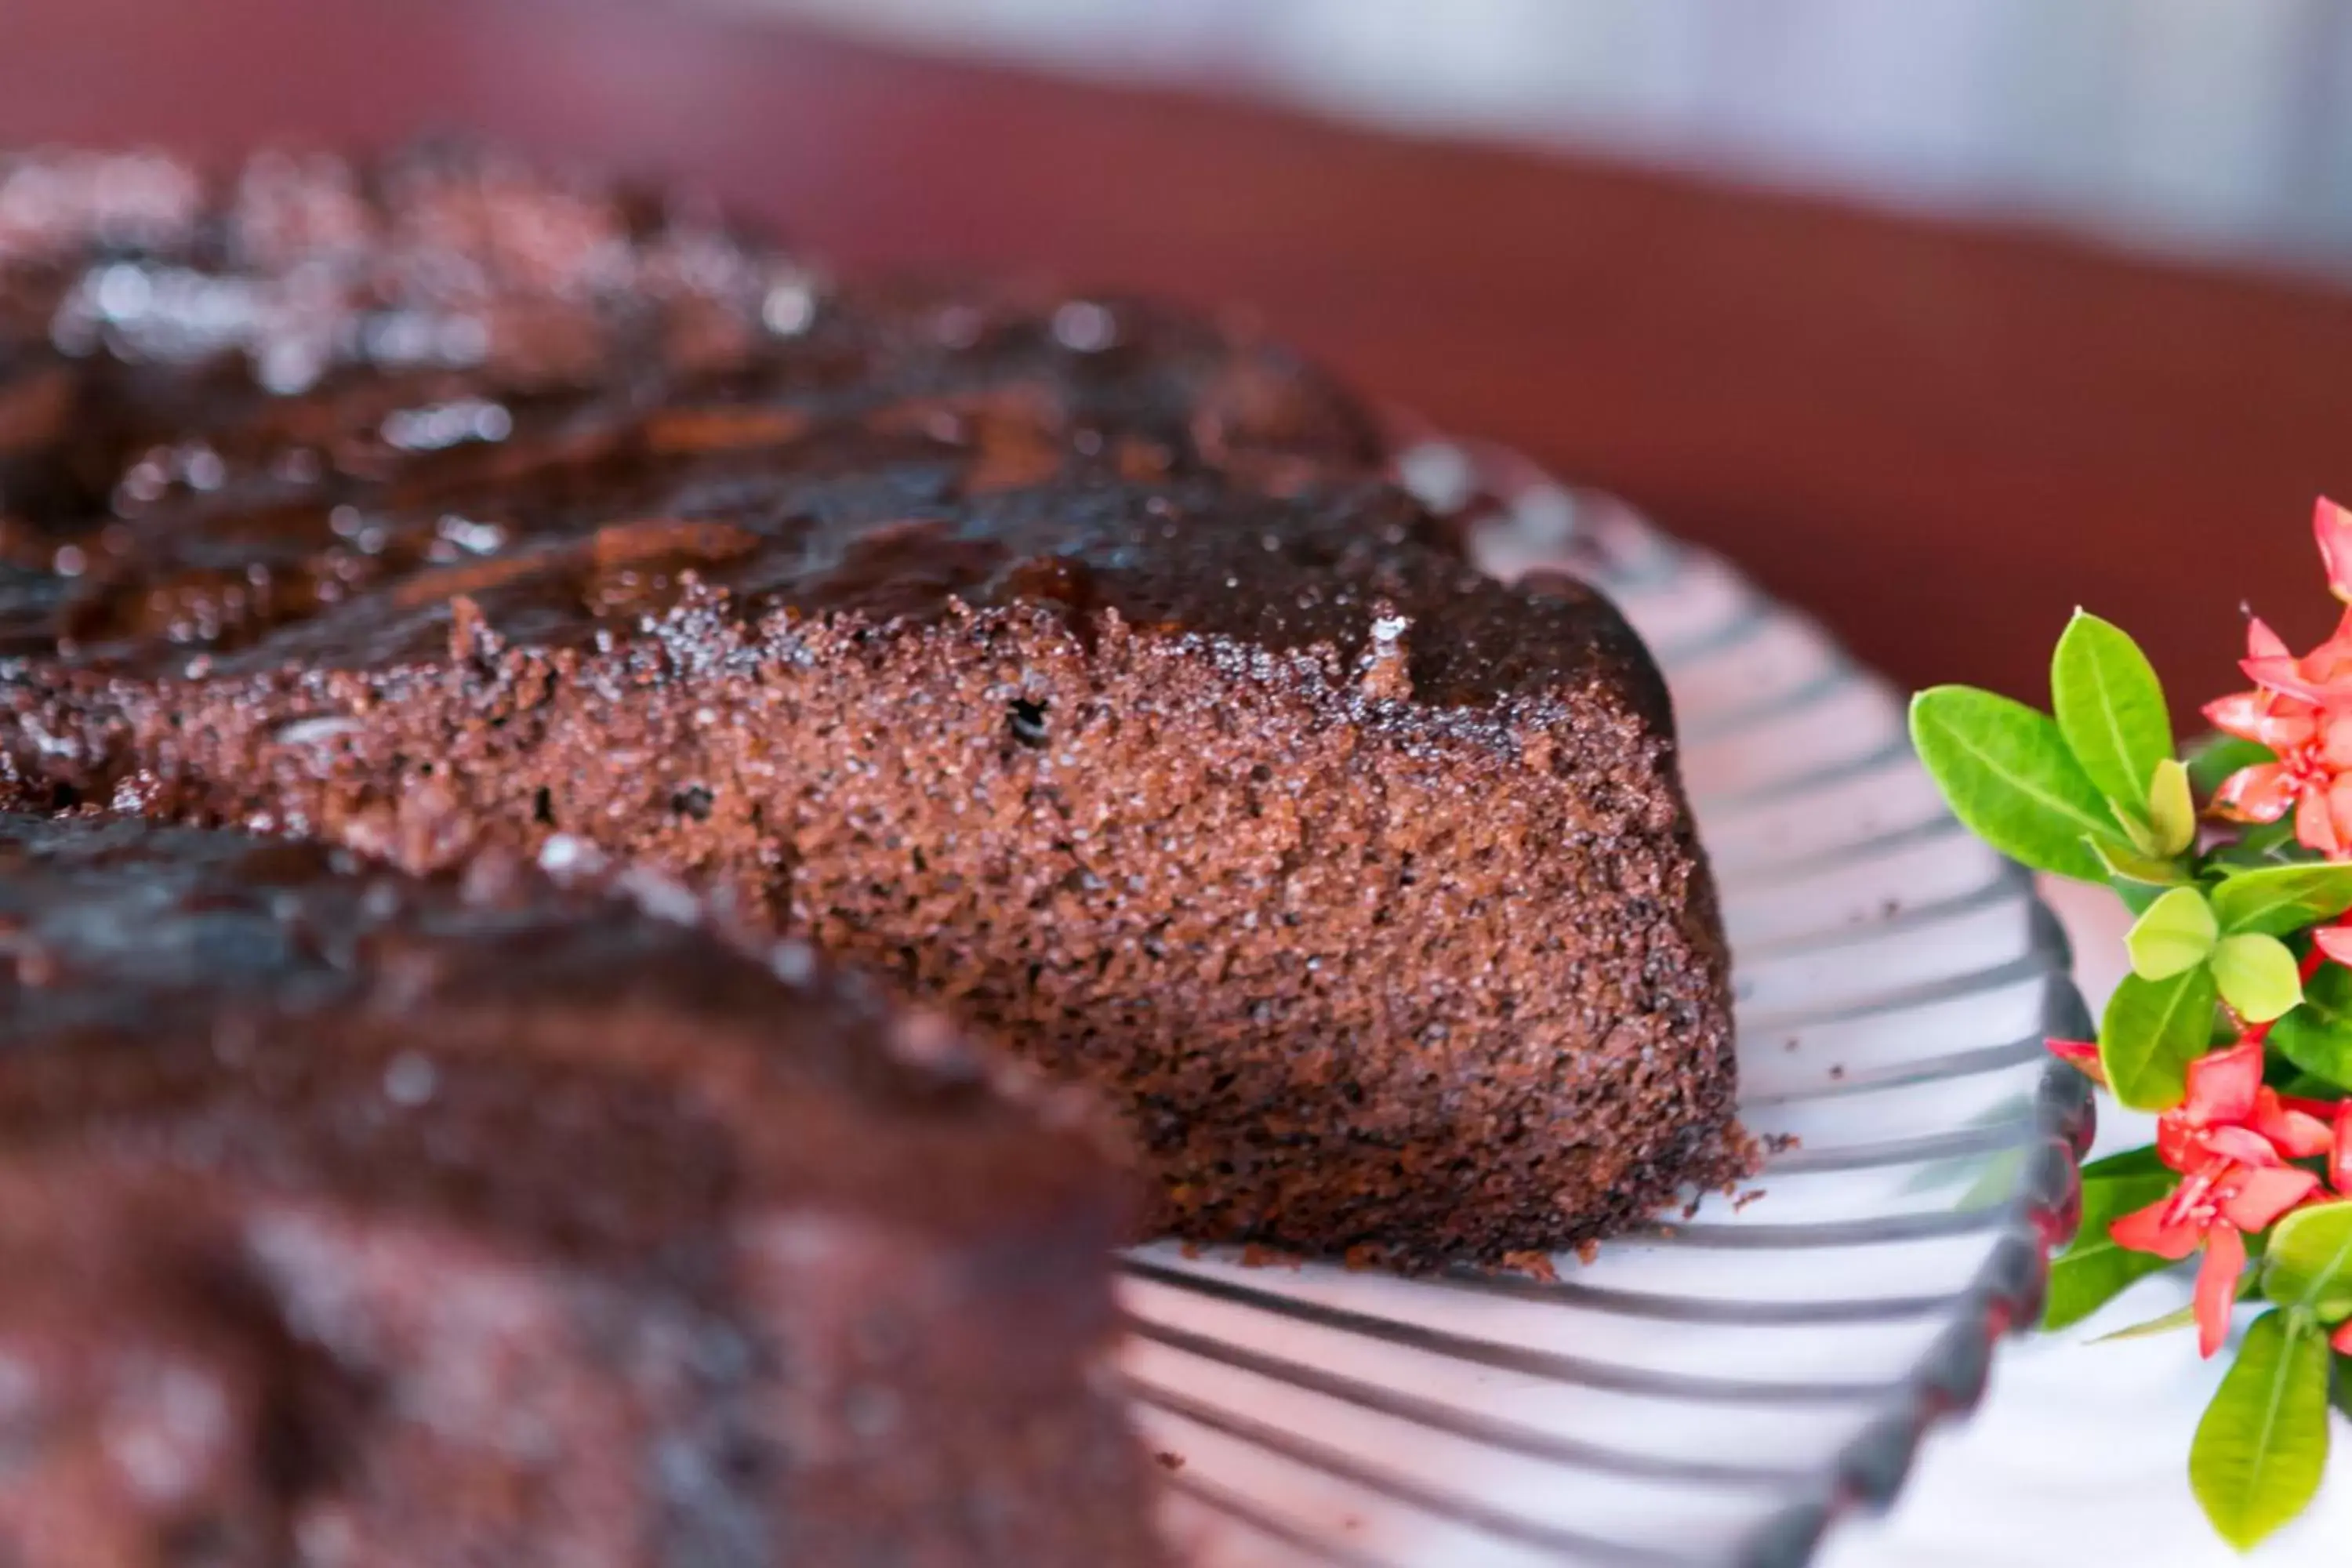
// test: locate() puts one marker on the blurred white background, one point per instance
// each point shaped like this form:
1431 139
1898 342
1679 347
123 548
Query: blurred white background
2215 127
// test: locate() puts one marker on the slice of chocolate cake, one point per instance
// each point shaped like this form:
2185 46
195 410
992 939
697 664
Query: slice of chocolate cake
1060 659
351 1218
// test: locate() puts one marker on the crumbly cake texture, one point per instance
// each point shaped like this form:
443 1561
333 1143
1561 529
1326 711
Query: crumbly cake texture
350 1217
1063 659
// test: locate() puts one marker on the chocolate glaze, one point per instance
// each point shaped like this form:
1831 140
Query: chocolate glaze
1060 658
350 1217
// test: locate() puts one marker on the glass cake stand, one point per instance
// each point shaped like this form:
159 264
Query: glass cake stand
1717 1389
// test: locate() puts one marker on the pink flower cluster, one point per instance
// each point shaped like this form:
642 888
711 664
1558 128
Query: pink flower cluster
2301 709
2231 1139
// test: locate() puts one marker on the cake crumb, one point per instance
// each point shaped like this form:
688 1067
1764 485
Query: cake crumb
1257 1255
1744 1199
1534 1264
1168 1461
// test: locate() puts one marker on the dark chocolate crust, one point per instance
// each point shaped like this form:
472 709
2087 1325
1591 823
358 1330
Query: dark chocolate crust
350 1217
1062 659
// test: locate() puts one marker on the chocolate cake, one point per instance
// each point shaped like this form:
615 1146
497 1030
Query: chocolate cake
1064 659
346 1217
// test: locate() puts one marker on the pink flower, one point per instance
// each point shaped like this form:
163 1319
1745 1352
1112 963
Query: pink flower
2215 1211
2301 709
2332 526
2237 1179
2339 1158
2297 1129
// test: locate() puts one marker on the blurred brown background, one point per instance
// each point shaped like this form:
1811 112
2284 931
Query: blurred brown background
1935 435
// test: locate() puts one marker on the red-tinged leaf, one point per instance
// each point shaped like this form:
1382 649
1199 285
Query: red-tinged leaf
2340 1341
2083 1055
2217 1286
2263 1444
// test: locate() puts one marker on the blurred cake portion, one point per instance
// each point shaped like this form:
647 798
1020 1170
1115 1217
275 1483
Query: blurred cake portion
305 324
348 1217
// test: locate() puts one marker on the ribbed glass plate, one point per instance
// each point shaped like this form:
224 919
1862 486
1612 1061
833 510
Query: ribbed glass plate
1714 1390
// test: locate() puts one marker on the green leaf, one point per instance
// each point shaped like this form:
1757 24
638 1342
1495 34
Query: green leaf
2317 1036
2171 809
2170 1322
2309 1263
2092 1269
2292 1080
2216 756
2273 900
2127 865
2110 709
2177 932
2006 772
2263 844
2136 831
2152 1030
2260 1449
2257 977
